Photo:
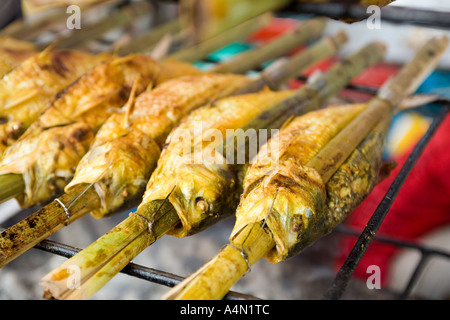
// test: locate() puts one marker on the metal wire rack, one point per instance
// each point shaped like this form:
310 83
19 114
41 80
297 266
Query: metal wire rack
364 238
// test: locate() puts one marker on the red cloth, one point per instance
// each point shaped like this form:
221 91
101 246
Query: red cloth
273 30
422 205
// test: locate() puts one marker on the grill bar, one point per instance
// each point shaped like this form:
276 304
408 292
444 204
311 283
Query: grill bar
419 267
132 269
392 14
427 253
344 274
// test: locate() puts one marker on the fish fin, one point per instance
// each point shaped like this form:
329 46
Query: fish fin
130 103
385 170
120 60
101 175
46 52
20 97
162 48
120 43
93 103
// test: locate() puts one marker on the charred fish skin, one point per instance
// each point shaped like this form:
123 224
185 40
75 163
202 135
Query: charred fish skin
48 152
281 191
27 89
127 147
197 179
99 93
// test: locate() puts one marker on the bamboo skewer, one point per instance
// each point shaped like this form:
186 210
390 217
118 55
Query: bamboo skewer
191 53
307 31
283 70
25 30
136 232
12 185
76 39
209 282
318 91
33 234
31 27
147 41
213 280
95 275
202 49
389 97
119 18
202 19
46 222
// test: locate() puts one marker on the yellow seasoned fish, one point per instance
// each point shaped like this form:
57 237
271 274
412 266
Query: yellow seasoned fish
49 151
27 89
128 145
200 182
13 52
282 191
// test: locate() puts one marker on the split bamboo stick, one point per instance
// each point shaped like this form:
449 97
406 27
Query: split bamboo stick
12 185
45 222
202 19
389 97
147 41
31 26
209 282
304 33
118 18
202 49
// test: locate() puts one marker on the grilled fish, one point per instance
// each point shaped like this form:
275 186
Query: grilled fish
200 181
362 3
291 198
48 152
128 145
26 90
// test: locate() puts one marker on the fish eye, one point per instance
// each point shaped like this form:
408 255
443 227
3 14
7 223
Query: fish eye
201 204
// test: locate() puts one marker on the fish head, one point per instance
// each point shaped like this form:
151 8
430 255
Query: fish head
203 193
289 201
